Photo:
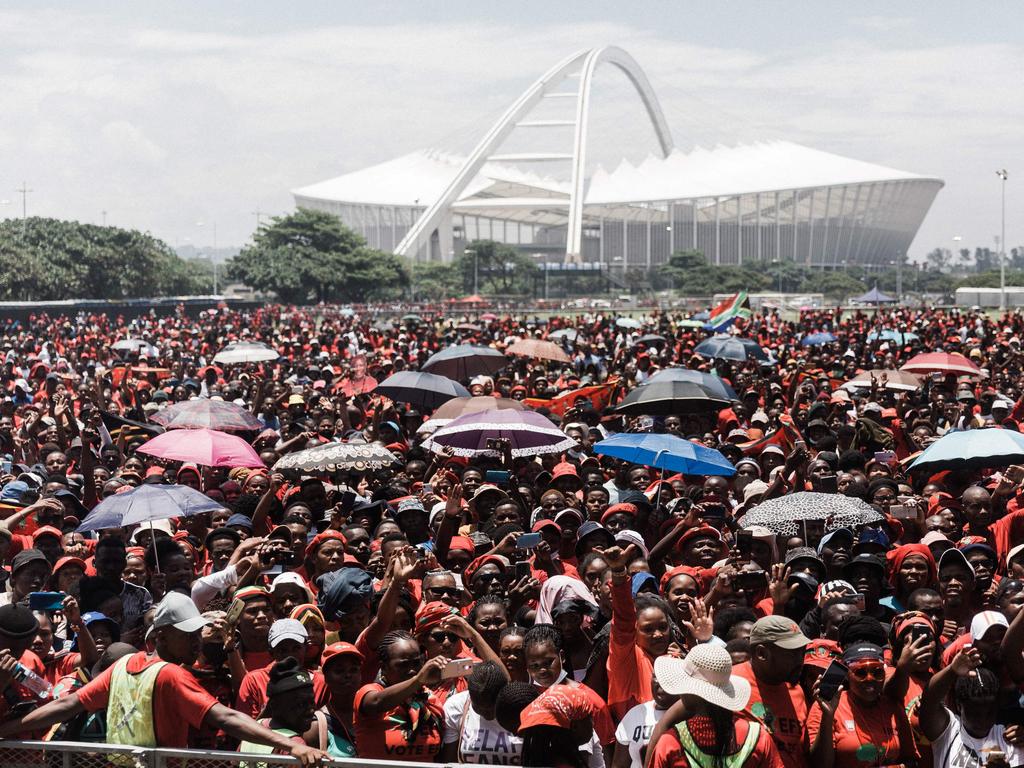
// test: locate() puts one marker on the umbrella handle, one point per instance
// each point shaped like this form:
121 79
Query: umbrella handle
152 543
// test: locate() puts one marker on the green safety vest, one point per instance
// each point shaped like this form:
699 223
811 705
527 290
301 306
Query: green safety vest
262 749
701 759
130 705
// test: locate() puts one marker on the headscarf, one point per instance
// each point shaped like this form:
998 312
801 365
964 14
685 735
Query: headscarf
556 589
895 557
697 574
341 591
470 570
559 705
432 615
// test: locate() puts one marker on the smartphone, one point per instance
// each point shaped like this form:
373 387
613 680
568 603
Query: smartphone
458 668
528 541
273 570
234 612
745 544
348 498
831 679
46 601
903 511
427 489
800 445
5 466
829 483
885 457
858 600
499 477
522 570
493 444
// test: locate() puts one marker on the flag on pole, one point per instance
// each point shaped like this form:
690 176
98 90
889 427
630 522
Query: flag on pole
725 314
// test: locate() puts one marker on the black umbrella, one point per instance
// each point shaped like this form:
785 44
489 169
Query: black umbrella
423 389
733 348
665 398
462 362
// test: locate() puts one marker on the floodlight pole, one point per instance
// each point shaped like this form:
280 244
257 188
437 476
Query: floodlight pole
1002 174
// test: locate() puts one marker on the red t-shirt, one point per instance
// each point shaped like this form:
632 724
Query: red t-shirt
179 701
781 707
252 693
400 733
15 694
866 735
669 752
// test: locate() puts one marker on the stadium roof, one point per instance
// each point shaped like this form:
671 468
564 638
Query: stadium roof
419 177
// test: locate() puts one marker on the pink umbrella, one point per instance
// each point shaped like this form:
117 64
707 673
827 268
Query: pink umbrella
941 362
203 446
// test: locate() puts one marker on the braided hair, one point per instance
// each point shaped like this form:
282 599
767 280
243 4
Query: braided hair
386 642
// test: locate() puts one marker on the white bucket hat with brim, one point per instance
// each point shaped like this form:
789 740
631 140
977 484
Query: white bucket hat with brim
705 672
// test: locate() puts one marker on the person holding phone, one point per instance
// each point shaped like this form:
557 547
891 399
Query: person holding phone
860 726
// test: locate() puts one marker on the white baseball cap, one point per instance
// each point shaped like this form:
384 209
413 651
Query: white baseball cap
287 629
984 621
290 577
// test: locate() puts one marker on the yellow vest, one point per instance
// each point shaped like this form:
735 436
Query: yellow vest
130 705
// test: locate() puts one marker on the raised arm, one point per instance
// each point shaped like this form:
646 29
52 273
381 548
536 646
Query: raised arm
932 715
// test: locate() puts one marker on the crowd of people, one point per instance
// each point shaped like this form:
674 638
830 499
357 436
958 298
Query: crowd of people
562 609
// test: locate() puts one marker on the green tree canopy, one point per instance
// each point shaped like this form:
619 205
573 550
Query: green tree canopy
499 268
311 255
48 259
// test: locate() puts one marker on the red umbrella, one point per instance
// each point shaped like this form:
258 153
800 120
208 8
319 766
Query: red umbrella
942 362
203 446
537 348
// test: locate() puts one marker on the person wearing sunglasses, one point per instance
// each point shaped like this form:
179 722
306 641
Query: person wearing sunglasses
859 726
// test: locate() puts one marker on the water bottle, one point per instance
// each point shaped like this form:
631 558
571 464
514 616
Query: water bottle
32 682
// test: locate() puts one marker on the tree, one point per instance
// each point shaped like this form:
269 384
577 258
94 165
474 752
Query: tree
940 259
45 259
433 280
495 268
690 273
312 255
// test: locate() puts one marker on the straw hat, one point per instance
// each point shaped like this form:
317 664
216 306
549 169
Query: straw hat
705 673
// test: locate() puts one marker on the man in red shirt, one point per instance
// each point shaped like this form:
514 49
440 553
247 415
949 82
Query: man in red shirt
18 628
178 700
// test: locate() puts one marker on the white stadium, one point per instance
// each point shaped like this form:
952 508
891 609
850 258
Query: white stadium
749 202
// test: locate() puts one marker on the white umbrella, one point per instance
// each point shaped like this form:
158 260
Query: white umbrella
245 352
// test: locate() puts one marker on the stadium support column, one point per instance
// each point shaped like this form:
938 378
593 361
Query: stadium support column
445 239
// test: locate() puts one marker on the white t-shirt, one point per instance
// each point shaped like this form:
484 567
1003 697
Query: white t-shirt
956 748
482 741
635 730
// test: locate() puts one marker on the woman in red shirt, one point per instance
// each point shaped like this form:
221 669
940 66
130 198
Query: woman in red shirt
397 719
860 727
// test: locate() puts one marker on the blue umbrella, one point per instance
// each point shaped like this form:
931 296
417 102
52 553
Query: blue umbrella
900 337
146 504
708 381
665 452
813 339
731 348
972 449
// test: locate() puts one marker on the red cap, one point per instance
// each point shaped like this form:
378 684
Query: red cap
337 650
47 529
65 561
540 525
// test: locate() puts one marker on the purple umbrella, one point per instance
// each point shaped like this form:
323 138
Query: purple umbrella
529 433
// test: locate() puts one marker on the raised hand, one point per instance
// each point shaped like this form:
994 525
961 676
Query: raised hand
702 621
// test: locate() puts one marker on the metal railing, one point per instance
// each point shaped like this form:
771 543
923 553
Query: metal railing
67 754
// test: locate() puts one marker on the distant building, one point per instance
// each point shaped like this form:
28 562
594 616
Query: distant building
750 202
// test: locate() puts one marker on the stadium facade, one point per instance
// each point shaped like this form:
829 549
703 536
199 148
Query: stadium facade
762 202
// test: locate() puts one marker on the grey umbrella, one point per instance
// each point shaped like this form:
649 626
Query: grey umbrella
784 514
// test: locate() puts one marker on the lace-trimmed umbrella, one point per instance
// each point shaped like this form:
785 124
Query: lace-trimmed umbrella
785 514
528 433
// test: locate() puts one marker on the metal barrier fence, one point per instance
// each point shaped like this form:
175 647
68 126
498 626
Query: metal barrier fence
66 754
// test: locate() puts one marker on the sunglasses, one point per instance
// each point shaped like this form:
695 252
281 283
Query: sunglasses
868 672
440 637
446 591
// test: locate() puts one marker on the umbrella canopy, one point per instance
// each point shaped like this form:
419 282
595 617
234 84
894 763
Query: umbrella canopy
731 348
899 381
412 318
972 449
814 339
460 406
569 334
245 352
941 362
461 362
203 446
488 317
628 322
203 413
691 323
785 513
331 457
426 390
529 434
135 346
665 398
651 340
538 348
874 296
708 381
147 503
888 334
666 452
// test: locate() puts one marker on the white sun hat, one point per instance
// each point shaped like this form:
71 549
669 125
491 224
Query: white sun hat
705 672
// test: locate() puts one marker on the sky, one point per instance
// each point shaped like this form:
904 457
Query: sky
182 118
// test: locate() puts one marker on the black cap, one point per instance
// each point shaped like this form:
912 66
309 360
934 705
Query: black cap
865 559
863 652
288 675
223 533
25 557
18 622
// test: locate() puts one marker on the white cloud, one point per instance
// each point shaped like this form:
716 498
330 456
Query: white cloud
163 127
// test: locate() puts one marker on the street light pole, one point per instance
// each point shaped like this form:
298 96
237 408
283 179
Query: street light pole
1002 174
